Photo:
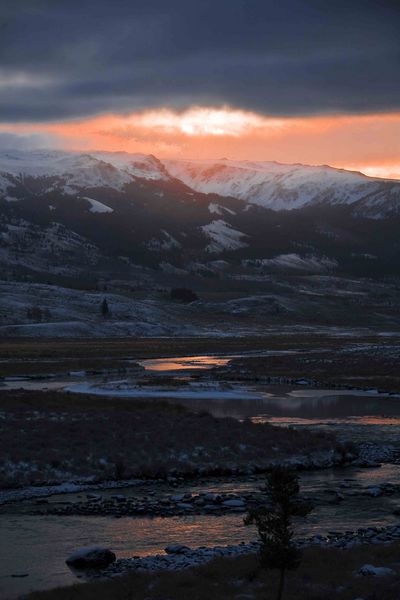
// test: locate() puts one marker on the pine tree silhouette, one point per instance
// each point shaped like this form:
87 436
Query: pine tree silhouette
105 311
274 523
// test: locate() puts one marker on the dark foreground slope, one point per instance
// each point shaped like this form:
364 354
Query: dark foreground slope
323 574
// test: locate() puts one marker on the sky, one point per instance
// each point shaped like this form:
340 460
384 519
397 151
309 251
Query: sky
310 81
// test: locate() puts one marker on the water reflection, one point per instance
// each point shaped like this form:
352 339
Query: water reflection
38 546
288 402
184 363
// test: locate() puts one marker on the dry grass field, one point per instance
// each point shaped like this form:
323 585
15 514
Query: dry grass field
56 436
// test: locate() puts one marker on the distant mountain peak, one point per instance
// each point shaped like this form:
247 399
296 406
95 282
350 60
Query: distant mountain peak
269 184
280 186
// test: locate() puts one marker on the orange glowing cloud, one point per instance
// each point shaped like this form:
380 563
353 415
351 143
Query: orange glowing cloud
370 143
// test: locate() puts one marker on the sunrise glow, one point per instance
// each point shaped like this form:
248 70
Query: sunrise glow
368 143
199 121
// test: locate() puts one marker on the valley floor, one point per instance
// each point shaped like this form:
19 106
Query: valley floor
92 439
53 436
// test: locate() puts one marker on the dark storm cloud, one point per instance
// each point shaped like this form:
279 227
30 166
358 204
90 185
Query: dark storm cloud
75 58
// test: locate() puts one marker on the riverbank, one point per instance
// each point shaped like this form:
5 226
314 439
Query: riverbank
96 439
327 573
179 557
361 363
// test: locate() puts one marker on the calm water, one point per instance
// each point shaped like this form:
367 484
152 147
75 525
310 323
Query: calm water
278 402
38 546
184 363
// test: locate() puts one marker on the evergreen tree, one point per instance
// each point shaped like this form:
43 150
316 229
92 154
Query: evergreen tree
274 523
105 311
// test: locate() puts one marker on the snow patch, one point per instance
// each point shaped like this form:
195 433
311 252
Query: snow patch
217 209
167 242
223 237
98 207
293 261
171 269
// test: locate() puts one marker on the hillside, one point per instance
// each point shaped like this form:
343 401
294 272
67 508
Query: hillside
278 239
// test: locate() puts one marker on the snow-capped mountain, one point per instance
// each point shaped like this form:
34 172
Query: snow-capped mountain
71 172
285 187
270 185
137 165
74 214
259 243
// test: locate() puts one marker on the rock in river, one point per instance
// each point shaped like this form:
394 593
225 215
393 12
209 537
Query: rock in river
91 558
176 549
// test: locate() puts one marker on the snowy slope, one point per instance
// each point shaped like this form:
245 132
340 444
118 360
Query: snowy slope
137 165
68 171
294 262
223 237
74 171
269 184
282 187
98 207
77 313
52 248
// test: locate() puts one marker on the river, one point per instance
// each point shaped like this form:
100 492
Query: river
34 548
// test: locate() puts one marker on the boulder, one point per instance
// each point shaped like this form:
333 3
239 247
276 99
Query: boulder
184 506
211 507
176 549
375 571
211 497
234 503
93 557
177 498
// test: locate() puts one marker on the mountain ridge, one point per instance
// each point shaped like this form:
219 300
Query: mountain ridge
94 215
281 186
269 184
